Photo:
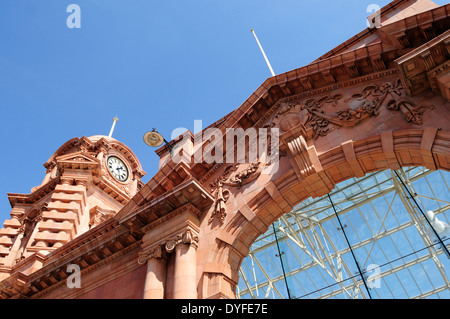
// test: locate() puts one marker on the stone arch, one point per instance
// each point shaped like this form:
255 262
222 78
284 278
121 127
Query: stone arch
428 147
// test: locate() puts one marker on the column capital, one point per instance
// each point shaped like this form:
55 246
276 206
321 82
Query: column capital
150 254
188 237
66 180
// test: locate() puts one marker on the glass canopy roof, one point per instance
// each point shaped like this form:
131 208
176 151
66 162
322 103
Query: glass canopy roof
379 245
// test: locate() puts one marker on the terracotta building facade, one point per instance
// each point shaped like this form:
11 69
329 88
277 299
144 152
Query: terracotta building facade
378 101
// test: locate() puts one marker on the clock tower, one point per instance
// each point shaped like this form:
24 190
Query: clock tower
88 180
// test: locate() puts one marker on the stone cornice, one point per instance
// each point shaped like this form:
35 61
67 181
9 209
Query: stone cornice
165 218
35 196
107 241
425 48
89 269
420 67
190 191
94 237
13 285
421 19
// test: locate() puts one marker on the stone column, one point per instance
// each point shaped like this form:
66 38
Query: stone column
185 276
155 279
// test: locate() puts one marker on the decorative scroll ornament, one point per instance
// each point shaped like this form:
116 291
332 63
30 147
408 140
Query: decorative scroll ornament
157 253
186 238
366 104
232 179
162 251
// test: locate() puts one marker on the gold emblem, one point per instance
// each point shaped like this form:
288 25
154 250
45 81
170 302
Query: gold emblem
153 139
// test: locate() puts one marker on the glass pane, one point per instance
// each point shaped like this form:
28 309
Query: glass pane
387 231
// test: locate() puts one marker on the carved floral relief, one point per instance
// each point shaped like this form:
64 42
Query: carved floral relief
315 113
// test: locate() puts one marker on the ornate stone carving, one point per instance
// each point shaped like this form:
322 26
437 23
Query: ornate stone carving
156 253
185 238
247 175
350 112
220 207
98 215
233 178
363 105
126 189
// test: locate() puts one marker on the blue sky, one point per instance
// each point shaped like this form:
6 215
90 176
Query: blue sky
157 64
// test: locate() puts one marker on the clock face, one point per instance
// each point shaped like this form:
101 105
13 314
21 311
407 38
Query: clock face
117 168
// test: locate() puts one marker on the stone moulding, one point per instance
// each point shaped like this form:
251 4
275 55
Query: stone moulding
76 251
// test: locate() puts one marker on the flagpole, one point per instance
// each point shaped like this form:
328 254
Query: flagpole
264 54
115 120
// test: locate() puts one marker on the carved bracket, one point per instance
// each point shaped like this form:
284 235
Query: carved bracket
299 151
305 160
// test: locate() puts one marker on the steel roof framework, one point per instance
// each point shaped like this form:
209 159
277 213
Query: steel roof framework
310 258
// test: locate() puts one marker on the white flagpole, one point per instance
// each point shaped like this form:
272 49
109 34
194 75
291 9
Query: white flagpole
115 120
264 55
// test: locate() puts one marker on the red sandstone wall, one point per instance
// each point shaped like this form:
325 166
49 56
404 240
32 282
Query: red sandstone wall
128 286
119 278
